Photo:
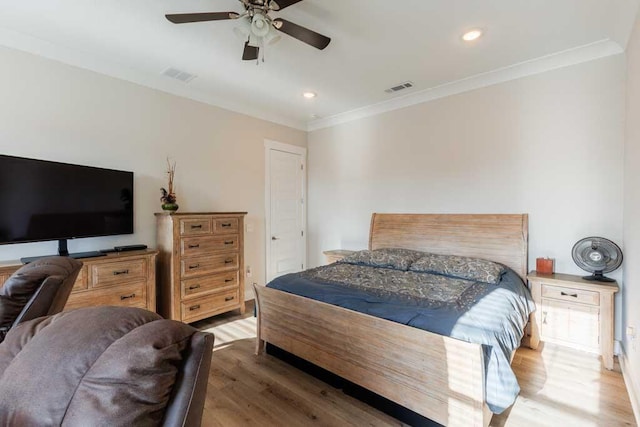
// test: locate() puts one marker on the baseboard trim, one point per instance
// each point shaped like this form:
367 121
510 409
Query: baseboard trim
632 386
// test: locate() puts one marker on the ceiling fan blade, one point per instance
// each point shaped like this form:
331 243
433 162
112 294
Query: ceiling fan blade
301 33
184 18
281 4
250 53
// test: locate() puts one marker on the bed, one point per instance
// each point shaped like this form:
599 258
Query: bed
439 377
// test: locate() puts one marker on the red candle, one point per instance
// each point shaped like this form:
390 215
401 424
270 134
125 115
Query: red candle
544 265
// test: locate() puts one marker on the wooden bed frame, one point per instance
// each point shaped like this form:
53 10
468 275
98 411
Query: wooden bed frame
436 376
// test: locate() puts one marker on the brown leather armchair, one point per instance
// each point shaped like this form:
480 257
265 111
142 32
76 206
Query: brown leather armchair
115 366
40 288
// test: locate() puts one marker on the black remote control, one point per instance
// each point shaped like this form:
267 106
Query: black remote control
129 248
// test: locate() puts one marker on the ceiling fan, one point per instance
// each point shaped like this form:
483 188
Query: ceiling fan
257 28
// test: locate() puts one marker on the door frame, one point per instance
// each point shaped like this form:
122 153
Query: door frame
292 149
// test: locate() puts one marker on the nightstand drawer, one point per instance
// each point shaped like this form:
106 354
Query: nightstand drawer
576 325
569 294
193 227
194 246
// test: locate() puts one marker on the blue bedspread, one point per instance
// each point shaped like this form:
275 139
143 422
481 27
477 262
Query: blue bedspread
496 318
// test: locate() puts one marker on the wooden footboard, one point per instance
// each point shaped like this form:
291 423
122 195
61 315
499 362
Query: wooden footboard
438 377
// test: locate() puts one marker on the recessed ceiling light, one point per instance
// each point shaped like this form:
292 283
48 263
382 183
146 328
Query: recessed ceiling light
309 95
472 35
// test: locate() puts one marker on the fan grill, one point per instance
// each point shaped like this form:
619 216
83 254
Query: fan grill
597 255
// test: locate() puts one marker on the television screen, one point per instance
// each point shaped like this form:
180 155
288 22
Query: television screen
42 200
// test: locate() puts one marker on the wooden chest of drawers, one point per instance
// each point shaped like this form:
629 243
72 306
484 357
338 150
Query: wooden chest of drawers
201 264
124 279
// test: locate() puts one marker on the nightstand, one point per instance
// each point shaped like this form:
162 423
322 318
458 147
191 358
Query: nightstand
575 312
336 255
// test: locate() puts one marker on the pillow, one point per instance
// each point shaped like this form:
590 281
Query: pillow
476 269
395 258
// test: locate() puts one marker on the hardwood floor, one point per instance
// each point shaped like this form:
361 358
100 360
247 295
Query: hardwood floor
560 387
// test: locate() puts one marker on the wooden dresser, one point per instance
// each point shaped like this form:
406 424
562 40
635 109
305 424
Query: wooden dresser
120 278
201 264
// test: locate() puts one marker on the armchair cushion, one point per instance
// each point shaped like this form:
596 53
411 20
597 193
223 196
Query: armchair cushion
114 364
18 290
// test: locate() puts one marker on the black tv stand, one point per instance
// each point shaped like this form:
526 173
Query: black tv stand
63 251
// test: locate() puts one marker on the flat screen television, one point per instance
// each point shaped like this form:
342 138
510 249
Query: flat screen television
43 200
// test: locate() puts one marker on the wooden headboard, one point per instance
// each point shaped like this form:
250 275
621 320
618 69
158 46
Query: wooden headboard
497 237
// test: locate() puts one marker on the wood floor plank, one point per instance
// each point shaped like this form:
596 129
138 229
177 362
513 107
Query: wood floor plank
559 387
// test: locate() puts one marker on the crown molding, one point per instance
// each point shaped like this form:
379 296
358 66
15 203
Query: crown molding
90 61
589 52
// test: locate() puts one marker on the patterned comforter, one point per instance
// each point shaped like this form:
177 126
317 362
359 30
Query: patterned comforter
490 314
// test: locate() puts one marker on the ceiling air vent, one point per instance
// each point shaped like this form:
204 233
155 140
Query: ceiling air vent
174 73
399 87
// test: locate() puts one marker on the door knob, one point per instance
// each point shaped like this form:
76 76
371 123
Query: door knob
274 238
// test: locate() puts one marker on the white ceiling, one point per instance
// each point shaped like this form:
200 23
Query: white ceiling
375 44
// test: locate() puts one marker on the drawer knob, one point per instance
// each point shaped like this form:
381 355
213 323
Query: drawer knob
194 266
229 298
196 226
544 317
228 242
226 224
564 294
194 307
124 297
228 280
228 261
194 287
119 272
194 246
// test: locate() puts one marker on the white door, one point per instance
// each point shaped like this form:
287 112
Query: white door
286 240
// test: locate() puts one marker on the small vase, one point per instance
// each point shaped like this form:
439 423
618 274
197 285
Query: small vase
171 207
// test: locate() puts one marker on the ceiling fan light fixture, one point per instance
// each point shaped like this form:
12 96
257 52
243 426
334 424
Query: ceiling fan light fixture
243 30
260 25
272 37
254 40
472 35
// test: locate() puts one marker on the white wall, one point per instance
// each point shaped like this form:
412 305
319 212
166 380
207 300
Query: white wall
549 145
631 291
57 112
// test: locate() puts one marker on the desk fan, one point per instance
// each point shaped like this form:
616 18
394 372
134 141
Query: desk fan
598 256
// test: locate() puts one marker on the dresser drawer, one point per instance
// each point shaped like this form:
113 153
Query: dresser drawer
200 285
116 272
129 295
81 281
196 266
570 294
193 227
195 246
225 225
203 307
